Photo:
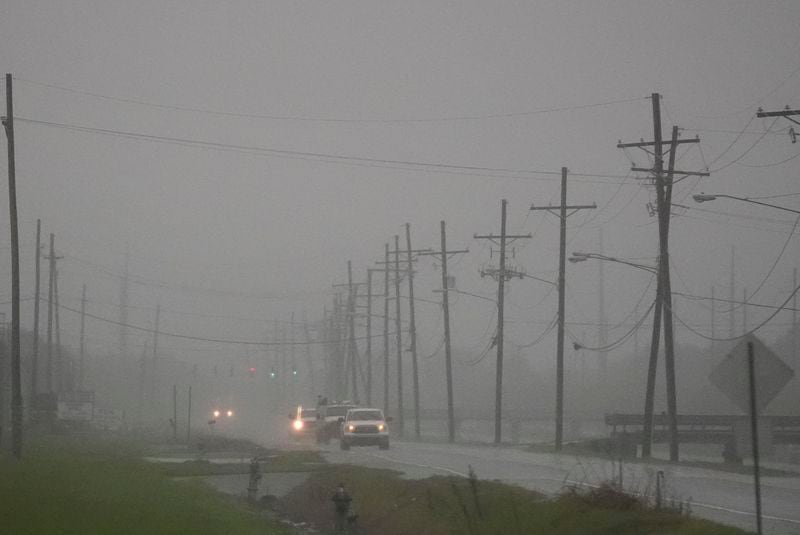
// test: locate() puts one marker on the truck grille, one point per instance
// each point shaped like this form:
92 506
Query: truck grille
366 429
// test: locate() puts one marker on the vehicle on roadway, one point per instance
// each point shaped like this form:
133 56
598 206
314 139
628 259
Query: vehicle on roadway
330 418
304 423
364 427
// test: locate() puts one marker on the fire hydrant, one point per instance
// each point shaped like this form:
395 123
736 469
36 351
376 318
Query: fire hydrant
341 503
255 477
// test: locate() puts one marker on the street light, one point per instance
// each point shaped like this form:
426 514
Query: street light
706 197
578 256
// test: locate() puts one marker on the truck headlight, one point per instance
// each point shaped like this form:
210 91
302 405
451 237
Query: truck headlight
351 427
216 414
298 424
230 413
381 427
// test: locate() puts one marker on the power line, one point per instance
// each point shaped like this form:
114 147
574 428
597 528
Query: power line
301 118
778 309
428 167
203 339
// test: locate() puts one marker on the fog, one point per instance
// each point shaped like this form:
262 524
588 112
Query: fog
232 157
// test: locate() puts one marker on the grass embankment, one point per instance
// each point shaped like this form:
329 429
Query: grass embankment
270 461
65 486
389 505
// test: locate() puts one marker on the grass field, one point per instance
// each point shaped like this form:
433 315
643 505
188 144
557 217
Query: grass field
389 505
68 486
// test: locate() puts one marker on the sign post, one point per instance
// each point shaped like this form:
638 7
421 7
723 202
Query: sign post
751 369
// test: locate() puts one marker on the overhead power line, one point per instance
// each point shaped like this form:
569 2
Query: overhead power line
302 118
406 165
213 340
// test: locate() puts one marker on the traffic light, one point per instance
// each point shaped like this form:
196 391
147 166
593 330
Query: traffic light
272 374
252 371
294 372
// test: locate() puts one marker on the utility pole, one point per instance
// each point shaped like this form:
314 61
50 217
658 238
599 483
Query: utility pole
400 416
154 379
794 319
713 318
787 113
352 351
310 362
16 379
83 339
51 282
562 260
602 328
293 379
189 418
386 329
732 295
37 284
663 305
448 366
61 368
412 331
744 311
174 413
368 354
502 274
123 310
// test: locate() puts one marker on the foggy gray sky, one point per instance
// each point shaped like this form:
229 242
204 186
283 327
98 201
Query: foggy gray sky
458 83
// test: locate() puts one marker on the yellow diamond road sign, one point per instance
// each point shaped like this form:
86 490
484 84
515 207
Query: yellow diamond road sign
731 376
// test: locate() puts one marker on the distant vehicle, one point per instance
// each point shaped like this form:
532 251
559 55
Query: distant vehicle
364 427
222 416
304 423
330 417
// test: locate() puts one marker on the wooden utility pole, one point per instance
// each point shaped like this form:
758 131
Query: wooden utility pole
663 305
83 339
713 318
448 366
732 295
174 413
352 351
61 368
368 353
562 260
312 387
400 416
51 282
412 331
189 417
794 319
386 329
154 378
502 274
123 310
16 379
37 289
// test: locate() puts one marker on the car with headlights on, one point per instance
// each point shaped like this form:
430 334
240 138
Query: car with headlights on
303 423
364 427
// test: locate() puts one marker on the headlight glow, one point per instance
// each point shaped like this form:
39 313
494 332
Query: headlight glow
381 427
351 427
230 413
216 414
298 424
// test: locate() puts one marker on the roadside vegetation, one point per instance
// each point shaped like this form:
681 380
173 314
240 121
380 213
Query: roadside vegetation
386 504
100 486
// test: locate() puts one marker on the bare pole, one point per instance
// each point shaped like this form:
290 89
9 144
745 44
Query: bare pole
794 319
16 379
602 329
189 417
351 332
37 283
751 368
413 332
386 329
83 339
400 415
732 295
713 318
310 362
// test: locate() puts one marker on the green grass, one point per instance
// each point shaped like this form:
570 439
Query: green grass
389 505
67 486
